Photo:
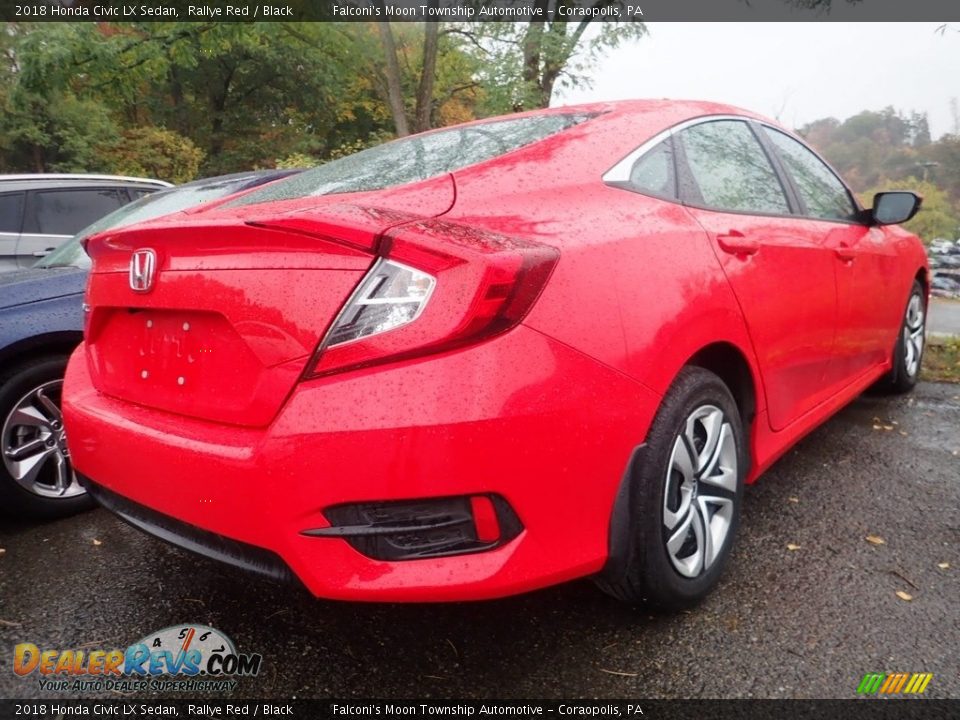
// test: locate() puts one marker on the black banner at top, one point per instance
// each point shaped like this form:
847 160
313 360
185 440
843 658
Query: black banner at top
945 11
362 709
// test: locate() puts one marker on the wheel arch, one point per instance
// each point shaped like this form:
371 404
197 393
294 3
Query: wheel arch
730 364
922 276
60 341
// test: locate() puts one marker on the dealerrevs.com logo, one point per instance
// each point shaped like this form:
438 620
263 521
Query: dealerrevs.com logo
187 658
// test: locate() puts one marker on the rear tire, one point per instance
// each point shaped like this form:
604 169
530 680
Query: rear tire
911 342
36 478
683 500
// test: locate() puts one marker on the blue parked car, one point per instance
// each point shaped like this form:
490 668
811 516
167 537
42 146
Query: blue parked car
41 322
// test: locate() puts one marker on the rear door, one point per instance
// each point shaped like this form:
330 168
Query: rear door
53 216
776 262
11 220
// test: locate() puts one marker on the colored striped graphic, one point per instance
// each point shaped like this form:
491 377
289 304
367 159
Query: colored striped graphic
894 683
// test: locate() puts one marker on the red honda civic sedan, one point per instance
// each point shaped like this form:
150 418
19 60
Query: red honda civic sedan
492 357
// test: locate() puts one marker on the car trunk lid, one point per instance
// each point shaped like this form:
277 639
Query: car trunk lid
237 306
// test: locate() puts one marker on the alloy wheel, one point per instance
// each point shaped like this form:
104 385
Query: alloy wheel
913 335
700 491
34 444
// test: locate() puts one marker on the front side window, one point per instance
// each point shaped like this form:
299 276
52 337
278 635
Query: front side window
731 170
11 212
64 212
820 190
415 158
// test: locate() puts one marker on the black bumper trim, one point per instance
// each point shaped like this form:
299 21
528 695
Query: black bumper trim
247 557
396 530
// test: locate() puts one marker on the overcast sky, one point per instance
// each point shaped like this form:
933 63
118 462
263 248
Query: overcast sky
797 72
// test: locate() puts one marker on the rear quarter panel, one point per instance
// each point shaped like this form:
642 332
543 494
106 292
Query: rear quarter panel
638 286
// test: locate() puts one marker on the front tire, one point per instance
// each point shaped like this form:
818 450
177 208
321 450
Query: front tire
908 352
684 498
36 477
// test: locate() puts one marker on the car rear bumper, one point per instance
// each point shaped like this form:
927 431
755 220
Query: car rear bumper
521 417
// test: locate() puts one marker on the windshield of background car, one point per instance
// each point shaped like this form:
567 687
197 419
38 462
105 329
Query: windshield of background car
415 158
161 203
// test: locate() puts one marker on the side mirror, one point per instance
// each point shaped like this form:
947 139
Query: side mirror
890 208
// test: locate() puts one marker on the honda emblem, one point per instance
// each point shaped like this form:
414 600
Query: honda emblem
143 266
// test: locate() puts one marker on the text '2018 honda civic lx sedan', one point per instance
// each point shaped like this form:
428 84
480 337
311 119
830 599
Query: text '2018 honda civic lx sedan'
492 357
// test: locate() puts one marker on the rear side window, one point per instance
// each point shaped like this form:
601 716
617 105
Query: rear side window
11 212
64 212
654 172
731 170
416 158
820 190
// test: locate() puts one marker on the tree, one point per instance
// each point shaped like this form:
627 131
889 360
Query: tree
523 64
153 152
945 152
419 71
46 128
392 75
244 93
423 107
873 144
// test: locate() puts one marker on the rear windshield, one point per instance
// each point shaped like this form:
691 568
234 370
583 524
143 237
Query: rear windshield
416 158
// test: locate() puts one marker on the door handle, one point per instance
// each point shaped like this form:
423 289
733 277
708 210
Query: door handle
845 253
43 253
736 243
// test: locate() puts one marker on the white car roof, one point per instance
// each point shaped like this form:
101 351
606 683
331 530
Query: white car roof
40 177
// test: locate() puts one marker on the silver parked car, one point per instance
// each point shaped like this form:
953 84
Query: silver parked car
39 212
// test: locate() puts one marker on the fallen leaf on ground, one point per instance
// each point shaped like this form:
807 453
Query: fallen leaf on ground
878 427
903 433
2 551
943 566
617 672
793 499
97 542
875 540
9 623
904 595
792 546
888 427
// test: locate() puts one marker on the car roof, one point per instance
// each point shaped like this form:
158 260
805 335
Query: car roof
63 180
666 110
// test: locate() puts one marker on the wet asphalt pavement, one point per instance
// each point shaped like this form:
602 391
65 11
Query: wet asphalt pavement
807 622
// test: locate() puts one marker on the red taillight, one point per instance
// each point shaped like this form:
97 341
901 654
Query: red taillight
484 284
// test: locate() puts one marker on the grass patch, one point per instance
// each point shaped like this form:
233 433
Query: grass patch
941 360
